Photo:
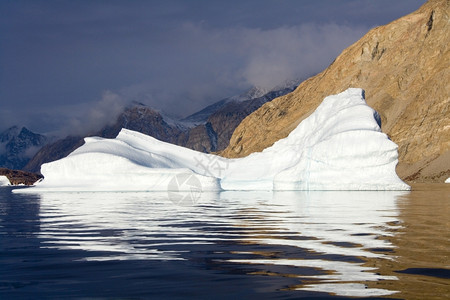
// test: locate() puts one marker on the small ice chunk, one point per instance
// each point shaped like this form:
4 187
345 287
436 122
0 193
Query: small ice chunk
4 180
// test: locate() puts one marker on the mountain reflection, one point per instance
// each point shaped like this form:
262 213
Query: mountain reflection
322 238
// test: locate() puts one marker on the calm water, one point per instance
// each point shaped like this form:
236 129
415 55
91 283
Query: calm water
230 245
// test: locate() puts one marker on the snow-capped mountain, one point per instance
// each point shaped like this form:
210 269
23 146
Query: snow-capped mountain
201 117
17 146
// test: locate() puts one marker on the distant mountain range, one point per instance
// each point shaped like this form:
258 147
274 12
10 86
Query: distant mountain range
208 130
18 145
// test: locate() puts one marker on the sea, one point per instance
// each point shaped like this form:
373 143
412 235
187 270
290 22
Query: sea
227 245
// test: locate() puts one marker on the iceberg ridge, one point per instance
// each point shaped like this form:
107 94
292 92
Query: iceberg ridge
338 147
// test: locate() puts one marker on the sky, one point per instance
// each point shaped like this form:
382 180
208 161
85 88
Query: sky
67 67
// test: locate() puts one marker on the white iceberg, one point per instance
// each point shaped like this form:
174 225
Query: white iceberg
338 147
4 181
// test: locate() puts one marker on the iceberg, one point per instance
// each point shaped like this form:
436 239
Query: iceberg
4 181
340 146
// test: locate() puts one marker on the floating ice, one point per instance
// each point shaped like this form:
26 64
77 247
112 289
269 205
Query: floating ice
338 147
4 180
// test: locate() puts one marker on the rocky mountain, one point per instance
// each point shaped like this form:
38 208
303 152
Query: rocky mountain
208 130
404 68
201 117
17 146
141 118
215 133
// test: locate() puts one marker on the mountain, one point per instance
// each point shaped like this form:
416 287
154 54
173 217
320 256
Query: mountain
208 130
218 121
53 151
17 146
339 147
201 117
404 69
141 118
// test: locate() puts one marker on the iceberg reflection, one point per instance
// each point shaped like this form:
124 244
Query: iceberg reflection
332 233
337 225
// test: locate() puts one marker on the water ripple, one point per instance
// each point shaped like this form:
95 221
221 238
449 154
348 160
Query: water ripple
322 238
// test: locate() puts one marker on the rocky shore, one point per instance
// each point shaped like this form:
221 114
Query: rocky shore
17 177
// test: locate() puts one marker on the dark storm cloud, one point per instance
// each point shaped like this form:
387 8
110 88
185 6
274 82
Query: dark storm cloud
75 64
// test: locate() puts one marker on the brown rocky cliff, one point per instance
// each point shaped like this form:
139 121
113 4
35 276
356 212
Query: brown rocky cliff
404 68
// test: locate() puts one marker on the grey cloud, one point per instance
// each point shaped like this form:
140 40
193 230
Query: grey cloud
57 57
93 117
218 63
73 118
7 119
2 148
31 151
294 52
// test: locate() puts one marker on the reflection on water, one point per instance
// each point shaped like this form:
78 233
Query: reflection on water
324 239
422 245
342 227
263 244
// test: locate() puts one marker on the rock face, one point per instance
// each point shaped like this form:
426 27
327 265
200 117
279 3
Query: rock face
17 146
404 68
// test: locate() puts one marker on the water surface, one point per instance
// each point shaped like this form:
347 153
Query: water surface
226 245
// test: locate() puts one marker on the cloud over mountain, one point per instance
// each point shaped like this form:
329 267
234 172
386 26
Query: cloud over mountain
177 56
